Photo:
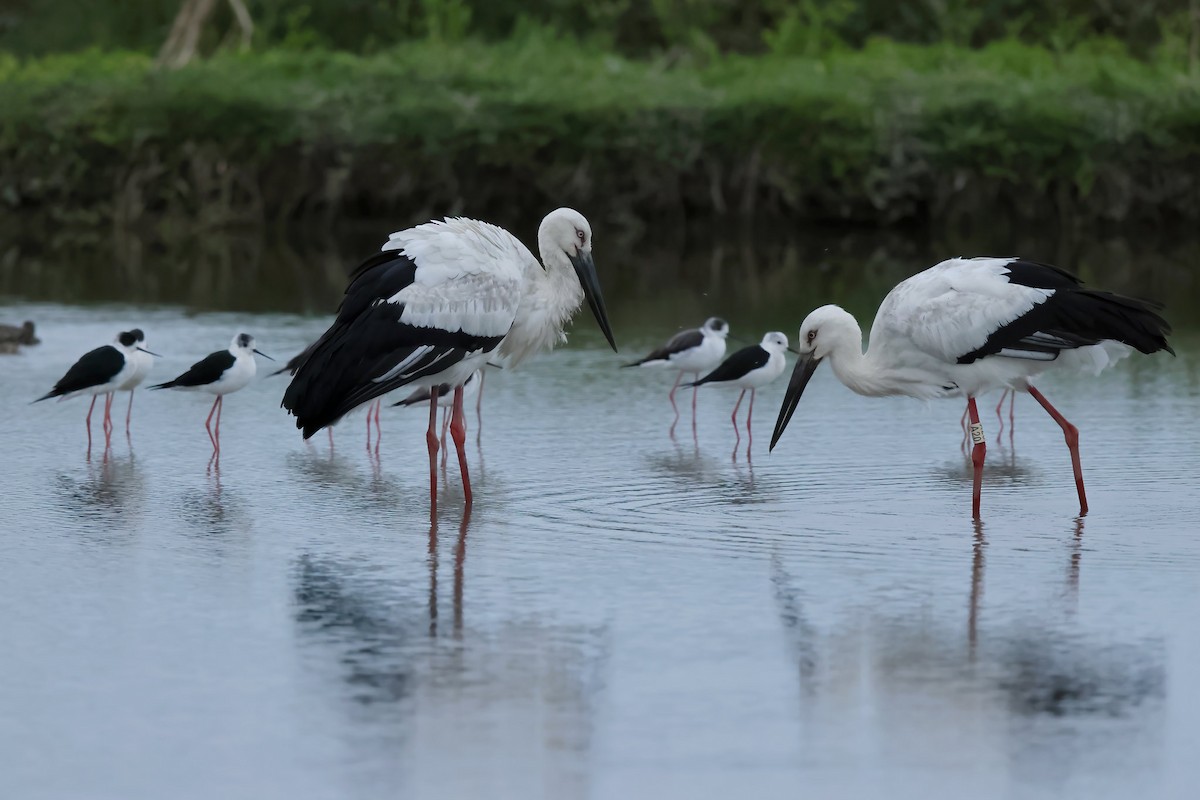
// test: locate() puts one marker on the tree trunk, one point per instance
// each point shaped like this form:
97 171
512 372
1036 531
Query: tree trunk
184 38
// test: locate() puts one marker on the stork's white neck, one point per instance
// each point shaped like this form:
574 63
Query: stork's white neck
857 370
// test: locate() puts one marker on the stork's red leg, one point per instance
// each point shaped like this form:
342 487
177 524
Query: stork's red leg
458 432
1071 434
978 452
431 440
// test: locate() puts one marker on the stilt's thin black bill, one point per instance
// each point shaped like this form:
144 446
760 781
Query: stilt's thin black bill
806 365
149 353
264 355
585 268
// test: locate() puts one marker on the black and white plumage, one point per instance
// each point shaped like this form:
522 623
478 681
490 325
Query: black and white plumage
696 350
143 362
100 371
967 326
219 373
749 369
693 350
435 305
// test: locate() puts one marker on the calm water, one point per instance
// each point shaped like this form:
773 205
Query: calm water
623 614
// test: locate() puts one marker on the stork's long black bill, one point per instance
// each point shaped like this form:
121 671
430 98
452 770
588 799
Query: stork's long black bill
585 268
806 365
264 355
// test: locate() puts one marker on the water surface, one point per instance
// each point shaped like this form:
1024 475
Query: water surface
623 614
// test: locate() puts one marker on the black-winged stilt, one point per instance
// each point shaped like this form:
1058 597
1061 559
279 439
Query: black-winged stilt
750 368
101 371
143 362
967 326
695 350
433 306
220 373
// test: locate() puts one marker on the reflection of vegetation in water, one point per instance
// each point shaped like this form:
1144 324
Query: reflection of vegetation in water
760 280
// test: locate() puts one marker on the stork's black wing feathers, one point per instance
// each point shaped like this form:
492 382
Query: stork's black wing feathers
1072 317
684 340
205 371
357 359
740 363
94 368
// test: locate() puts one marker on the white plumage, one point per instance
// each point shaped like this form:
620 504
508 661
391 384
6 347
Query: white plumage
967 326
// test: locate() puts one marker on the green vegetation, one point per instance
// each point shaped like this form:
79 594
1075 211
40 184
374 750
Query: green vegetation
628 108
887 133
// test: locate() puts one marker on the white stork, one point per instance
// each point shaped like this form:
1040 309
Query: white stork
967 326
433 306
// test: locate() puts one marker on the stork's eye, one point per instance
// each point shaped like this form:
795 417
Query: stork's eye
579 233
811 336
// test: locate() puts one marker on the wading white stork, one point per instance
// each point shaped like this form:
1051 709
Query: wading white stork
967 326
431 309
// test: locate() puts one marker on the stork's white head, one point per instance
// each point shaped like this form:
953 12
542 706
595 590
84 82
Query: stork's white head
243 344
827 330
774 342
715 326
565 237
567 231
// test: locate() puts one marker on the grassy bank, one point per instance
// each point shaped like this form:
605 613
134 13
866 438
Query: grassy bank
880 135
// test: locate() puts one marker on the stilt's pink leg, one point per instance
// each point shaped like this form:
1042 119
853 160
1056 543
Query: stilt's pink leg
217 427
458 432
445 427
431 440
1071 434
671 396
88 423
999 418
378 427
368 429
733 418
695 391
479 397
329 430
208 422
129 411
978 452
108 425
749 416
